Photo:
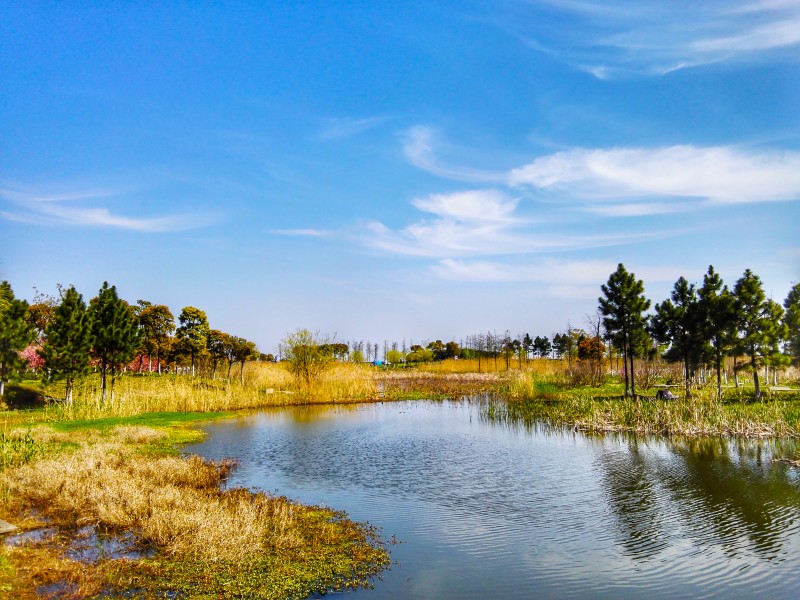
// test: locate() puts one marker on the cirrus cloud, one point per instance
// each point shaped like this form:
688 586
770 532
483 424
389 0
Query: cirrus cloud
720 174
63 208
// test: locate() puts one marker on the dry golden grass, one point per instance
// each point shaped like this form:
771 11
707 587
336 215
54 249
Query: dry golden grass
206 537
265 384
174 503
538 366
415 383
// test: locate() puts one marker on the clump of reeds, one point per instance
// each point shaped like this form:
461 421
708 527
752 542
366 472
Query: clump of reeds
18 448
343 382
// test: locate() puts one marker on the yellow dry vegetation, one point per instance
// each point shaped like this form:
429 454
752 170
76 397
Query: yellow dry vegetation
178 507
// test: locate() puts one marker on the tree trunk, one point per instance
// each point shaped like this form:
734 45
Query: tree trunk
719 376
2 387
625 371
755 376
68 394
735 373
633 383
103 370
686 375
241 373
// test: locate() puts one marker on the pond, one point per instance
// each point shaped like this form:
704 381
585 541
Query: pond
488 510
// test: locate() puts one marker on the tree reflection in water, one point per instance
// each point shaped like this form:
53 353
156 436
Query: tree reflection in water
709 492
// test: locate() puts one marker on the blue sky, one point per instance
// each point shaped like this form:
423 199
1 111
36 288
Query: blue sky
392 170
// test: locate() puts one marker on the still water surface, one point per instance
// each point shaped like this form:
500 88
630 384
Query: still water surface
484 510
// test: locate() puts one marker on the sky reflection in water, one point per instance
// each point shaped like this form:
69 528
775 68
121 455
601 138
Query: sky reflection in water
490 510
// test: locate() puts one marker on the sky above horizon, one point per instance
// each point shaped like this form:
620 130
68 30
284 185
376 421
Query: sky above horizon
393 170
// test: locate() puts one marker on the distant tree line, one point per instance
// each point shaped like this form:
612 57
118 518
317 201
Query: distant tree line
65 338
698 326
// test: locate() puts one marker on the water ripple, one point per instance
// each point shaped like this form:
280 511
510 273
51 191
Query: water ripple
485 511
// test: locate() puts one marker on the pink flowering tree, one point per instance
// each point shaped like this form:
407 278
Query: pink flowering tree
32 358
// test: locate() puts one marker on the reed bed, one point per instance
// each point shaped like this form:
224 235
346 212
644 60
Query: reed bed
209 542
424 384
604 409
537 366
261 385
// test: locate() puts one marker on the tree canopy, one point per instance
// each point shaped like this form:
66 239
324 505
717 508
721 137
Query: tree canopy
69 340
192 332
16 332
114 334
623 305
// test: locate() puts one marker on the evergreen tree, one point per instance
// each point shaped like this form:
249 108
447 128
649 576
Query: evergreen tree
775 335
66 350
791 319
755 318
115 335
717 307
156 323
623 307
16 333
679 322
243 351
527 345
216 344
192 332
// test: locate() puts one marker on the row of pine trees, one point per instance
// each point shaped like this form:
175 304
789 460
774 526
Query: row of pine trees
108 333
702 325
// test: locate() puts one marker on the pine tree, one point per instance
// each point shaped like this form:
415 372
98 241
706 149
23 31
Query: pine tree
156 323
718 310
755 318
115 336
15 333
66 351
192 332
623 310
791 319
679 322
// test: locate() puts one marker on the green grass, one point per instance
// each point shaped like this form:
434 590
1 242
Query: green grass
158 420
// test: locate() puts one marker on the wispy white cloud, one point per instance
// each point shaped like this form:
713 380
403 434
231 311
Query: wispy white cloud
465 223
346 127
559 278
300 232
471 205
418 146
658 37
481 223
544 270
64 209
721 174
